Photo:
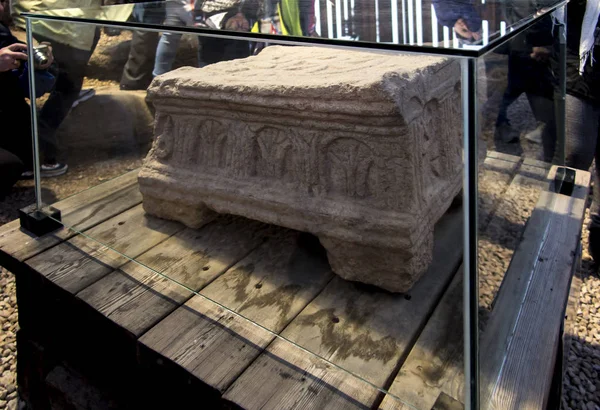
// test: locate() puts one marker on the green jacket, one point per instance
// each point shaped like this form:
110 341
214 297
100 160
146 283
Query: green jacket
75 35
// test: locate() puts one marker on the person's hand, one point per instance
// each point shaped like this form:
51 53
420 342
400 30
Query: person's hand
11 56
237 23
49 55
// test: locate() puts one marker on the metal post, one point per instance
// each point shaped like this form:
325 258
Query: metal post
559 95
471 279
34 122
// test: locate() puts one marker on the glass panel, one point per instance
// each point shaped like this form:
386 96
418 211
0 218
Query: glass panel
522 103
449 27
347 166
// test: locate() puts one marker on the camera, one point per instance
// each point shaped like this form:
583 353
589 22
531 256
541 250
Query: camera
40 55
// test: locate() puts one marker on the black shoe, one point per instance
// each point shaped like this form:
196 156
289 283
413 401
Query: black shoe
594 245
505 133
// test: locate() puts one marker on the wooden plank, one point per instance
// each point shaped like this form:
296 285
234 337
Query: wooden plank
9 227
49 310
135 297
435 358
357 328
81 261
502 235
518 347
81 211
270 286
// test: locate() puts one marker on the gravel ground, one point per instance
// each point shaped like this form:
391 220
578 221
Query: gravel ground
582 384
8 342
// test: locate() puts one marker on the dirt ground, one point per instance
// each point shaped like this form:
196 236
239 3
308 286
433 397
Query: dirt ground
88 168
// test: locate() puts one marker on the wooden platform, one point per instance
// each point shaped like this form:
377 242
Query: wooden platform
130 311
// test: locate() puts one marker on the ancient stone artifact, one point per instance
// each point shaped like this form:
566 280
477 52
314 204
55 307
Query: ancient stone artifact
363 150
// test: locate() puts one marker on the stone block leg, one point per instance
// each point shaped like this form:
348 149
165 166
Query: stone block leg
195 216
393 269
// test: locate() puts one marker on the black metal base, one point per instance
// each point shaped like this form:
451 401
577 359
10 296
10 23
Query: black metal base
40 222
564 181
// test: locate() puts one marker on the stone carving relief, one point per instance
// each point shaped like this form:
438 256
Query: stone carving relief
351 168
362 150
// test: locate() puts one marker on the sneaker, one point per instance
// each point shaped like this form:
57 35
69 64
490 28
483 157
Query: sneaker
535 136
53 170
27 175
505 133
84 95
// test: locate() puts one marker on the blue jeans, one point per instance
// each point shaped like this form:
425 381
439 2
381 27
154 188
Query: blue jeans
166 51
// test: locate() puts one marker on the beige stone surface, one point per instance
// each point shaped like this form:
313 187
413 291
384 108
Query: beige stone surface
361 149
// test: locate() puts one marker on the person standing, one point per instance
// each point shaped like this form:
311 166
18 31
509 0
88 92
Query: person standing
16 155
583 102
73 45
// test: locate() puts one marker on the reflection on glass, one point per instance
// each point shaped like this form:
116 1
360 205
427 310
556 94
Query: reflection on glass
361 153
316 148
406 22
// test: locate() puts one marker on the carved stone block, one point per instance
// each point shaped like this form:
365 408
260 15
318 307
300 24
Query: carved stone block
363 150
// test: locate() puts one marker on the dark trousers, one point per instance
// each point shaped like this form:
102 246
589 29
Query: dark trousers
582 145
16 138
534 79
11 169
137 74
71 64
16 155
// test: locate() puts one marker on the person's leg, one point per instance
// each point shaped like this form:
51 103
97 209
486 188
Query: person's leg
510 96
514 86
137 73
594 227
166 53
169 42
514 89
582 145
18 140
543 111
11 169
582 133
72 63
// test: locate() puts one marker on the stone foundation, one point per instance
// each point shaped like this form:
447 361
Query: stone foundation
363 150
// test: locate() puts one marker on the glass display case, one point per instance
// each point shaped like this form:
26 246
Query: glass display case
339 184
